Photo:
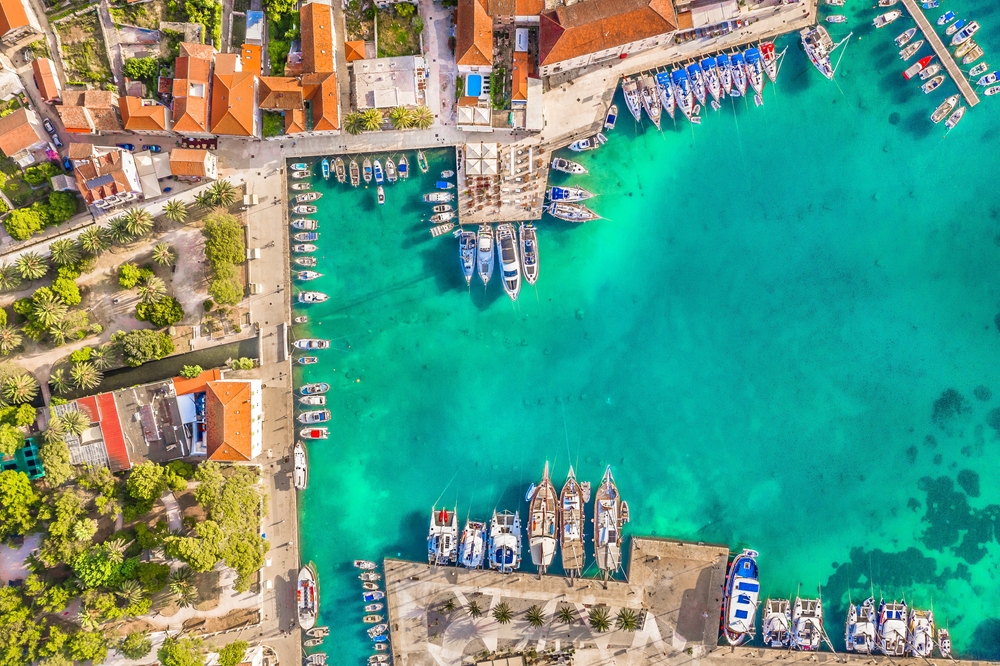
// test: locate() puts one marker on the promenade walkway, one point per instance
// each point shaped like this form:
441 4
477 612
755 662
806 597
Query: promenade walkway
956 73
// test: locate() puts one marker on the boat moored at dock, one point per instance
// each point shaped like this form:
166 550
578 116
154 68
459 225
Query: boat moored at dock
529 252
738 64
403 167
304 224
944 643
508 256
377 172
650 98
307 597
317 388
807 624
442 539
859 635
467 254
422 162
905 37
818 46
571 212
609 514
505 542
314 416
563 165
911 50
306 276
740 597
484 253
300 467
311 343
568 194
920 639
304 210
314 433
883 20
338 167
439 197
472 548
542 517
776 623
572 500
355 173
666 91
755 69
630 89
891 628
300 248
611 118
312 297
390 170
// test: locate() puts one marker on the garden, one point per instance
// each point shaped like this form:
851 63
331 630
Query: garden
84 53
399 27
282 30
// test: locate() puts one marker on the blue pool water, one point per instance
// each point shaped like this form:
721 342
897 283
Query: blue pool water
474 85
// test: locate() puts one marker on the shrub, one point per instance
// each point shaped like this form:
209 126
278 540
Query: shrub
68 290
191 371
166 312
129 275
153 577
208 304
80 355
224 242
138 347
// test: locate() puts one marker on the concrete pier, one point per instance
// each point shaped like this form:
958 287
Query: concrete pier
943 54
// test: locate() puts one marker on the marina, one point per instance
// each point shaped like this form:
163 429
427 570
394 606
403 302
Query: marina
941 50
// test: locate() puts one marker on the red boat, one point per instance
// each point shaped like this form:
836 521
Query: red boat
912 70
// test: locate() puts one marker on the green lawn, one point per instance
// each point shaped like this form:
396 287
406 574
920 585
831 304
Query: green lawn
84 55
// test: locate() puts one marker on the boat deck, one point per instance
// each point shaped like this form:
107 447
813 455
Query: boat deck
944 55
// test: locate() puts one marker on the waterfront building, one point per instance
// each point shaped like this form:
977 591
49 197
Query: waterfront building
384 83
194 164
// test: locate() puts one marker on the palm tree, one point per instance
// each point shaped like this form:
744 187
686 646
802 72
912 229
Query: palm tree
56 432
115 548
566 614
627 620
10 277
102 356
502 613
86 376
448 607
58 381
130 591
119 232
10 339
138 221
204 200
223 193
182 575
600 619
371 120
162 254
423 117
474 610
152 291
49 308
32 266
76 422
353 124
20 388
89 619
95 240
60 331
535 616
175 210
401 118
65 252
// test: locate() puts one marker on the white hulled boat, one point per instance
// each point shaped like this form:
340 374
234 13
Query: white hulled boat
307 597
467 254
442 539
632 99
891 628
650 100
484 253
723 64
505 542
807 624
300 467
740 597
770 59
818 46
883 20
542 526
944 643
508 256
529 252
472 548
567 166
608 519
666 91
921 633
571 503
571 212
860 632
776 624
712 79
755 69
355 173
568 194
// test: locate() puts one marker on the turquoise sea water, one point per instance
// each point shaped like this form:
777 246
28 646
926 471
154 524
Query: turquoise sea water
784 336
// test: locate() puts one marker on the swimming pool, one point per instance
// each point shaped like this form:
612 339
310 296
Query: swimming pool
474 85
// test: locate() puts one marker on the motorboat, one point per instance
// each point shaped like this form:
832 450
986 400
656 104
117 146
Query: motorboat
666 91
543 516
300 166
304 210
306 236
571 212
444 185
724 65
303 247
355 173
307 360
650 99
916 67
955 117
776 623
755 69
568 194
965 33
316 659
817 44
609 515
372 619
505 542
446 216
365 565
965 48
883 20
712 80
560 164
887 3
911 50
306 261
325 168
973 55
366 170
905 37
314 433
403 167
989 79
946 18
378 630
313 642
314 416
439 197
377 172
944 643
301 174
509 259
611 118
442 538
447 173
305 276
770 59
304 224
340 170
891 628
836 18
369 576
312 297
300 466
979 69
697 78
442 208
921 633
313 400
529 252
930 4
683 92
860 632
374 595
422 162
390 170
380 646
932 84
301 186
835 3
307 597
301 319
928 72
740 598
484 253
807 624
630 89
317 388
373 608
572 499
381 639
467 254
954 27
992 90
380 196
738 62
472 547
311 343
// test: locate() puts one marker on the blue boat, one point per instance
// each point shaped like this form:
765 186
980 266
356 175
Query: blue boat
378 172
325 164
725 72
740 597
697 78
666 91
444 185
931 4
373 596
947 17
955 27
683 92
381 638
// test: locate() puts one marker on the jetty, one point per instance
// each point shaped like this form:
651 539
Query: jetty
943 54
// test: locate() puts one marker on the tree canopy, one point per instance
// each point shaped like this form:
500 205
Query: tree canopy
138 347
166 312
180 652
18 504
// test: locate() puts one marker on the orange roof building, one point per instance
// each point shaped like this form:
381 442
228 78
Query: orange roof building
17 20
594 30
316 27
144 115
89 111
250 57
234 98
193 164
519 78
20 133
234 417
106 177
46 80
199 384
355 51
192 75
321 90
473 35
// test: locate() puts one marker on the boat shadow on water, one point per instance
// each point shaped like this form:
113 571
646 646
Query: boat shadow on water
441 262
916 125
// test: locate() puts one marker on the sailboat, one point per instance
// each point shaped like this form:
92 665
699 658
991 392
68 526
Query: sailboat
712 79
921 633
542 525
770 59
739 73
472 548
859 635
484 254
723 64
697 81
666 90
571 503
755 69
609 512
650 100
891 628
632 100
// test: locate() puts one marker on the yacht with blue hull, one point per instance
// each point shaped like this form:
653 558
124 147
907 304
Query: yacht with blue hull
740 598
666 92
505 542
725 72
683 92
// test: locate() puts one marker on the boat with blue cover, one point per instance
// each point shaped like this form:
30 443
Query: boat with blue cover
947 17
366 170
568 194
505 542
377 170
444 185
740 598
325 165
666 92
697 78
403 167
955 27
712 78
724 66
755 69
738 64
683 92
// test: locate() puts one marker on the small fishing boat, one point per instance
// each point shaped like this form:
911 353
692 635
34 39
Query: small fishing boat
666 91
305 261
390 170
650 99
979 69
313 400
563 165
373 608
911 50
955 27
301 319
755 70
807 624
883 20
529 252
307 197
444 185
314 433
738 63
355 173
776 623
992 90
568 194
945 18
442 208
422 161
571 212
338 167
928 72
437 218
441 229
438 197
611 118
989 79
365 565
932 84
301 174
378 659
307 275
944 643
316 659
770 59
372 619
299 166
300 467
313 642
965 47
378 630
301 186
366 170
373 595
311 343
891 628
505 542
312 297
905 37
318 632
835 3
304 224
306 236
915 68
972 56
930 4
740 597
316 388
965 33
307 597
712 80
303 248
403 167
724 65
381 646
955 117
472 547
371 587
377 171
630 89
304 210
921 633
442 538
380 196
325 167
448 173
314 416
836 18
484 253
509 259
859 635
369 576
887 3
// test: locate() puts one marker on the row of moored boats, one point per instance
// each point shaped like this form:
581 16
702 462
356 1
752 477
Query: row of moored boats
514 249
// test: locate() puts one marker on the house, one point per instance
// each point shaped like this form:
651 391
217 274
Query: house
144 116
235 109
234 418
593 31
250 54
17 21
473 37
102 444
90 112
46 80
21 133
192 79
63 183
383 83
107 177
193 164
316 28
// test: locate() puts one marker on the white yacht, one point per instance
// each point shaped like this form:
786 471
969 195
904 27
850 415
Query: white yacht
807 624
472 548
442 539
300 469
860 633
777 622
505 542
508 256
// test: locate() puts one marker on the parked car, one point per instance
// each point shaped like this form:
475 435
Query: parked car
127 146
57 141
152 148
49 127
67 163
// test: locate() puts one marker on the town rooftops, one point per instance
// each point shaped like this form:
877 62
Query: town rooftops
89 111
281 93
45 78
354 51
17 132
233 103
199 384
12 16
316 26
143 115
99 174
474 34
321 90
191 162
192 71
250 54
228 421
528 7
590 26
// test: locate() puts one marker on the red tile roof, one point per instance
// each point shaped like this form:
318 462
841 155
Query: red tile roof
281 93
473 34
98 176
321 90
191 88
316 27
114 438
227 420
17 133
233 104
528 7
89 405
198 384
590 26
355 50
12 16
251 58
519 78
46 79
139 116
189 162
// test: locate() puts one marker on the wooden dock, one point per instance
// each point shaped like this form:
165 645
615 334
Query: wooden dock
943 54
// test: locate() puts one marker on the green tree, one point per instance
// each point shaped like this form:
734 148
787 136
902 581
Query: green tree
20 631
20 388
84 530
223 193
200 554
18 504
474 610
404 9
224 239
423 118
48 307
600 619
204 200
502 613
54 599
31 265
536 617
232 654
65 252
102 356
130 592
141 69
146 481
180 652
75 422
153 576
56 460
95 240
152 291
23 222
11 439
175 210
86 376
566 614
136 645
56 431
627 620
10 339
62 206
10 277
138 347
93 567
91 645
162 254
191 371
371 120
129 275
138 221
67 289
58 381
354 123
401 118
225 292
118 231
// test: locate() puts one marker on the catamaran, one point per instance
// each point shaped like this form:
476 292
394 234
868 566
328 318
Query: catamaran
609 515
712 78
505 542
740 597
571 502
666 91
723 64
355 173
807 624
738 63
777 620
891 628
467 254
859 635
307 597
472 548
507 255
529 252
755 69
683 92
650 100
442 538
697 81
484 255
632 99
921 633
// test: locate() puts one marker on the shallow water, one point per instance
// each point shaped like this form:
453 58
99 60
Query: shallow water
784 336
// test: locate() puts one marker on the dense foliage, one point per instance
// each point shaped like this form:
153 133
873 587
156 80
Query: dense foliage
166 312
225 249
138 347
24 222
